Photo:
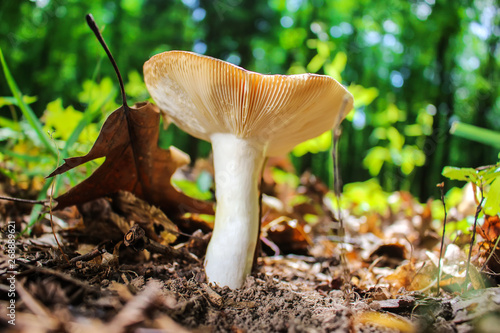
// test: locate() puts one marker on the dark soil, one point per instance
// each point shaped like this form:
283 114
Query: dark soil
111 285
289 294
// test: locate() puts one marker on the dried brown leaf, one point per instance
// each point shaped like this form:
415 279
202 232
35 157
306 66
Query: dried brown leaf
134 163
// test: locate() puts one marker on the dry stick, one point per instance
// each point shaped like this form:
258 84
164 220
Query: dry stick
51 204
88 256
491 254
338 192
476 216
33 202
137 239
441 187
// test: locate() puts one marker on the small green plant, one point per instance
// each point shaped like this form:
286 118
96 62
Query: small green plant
30 146
391 149
480 178
486 179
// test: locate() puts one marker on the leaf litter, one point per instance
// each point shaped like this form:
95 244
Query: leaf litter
113 287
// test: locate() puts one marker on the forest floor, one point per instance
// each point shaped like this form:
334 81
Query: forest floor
386 282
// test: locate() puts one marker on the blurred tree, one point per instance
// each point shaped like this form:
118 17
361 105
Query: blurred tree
434 61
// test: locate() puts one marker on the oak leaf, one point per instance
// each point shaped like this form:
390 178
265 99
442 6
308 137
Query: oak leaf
134 163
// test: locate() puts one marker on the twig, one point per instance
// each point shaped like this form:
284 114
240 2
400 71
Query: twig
137 239
476 216
441 188
338 193
33 304
33 202
491 254
51 204
135 311
61 275
88 256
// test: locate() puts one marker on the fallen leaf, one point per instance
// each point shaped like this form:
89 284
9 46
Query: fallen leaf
490 230
288 235
134 163
391 255
385 320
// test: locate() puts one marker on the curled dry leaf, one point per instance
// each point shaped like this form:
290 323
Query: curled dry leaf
134 163
381 320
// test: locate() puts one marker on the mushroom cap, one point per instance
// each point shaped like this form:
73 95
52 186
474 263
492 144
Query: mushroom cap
204 95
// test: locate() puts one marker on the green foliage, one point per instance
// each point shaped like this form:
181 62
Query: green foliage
413 67
482 178
25 109
391 148
283 177
62 122
199 189
315 145
364 197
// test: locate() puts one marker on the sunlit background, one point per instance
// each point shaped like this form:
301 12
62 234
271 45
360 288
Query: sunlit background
414 68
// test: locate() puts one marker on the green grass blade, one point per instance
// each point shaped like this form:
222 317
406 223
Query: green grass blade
37 209
475 133
88 116
25 109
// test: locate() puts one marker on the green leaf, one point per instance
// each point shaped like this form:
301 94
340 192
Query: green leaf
363 96
316 63
135 87
61 120
337 66
323 48
283 177
375 159
292 38
25 109
492 204
463 174
7 100
191 189
99 95
411 156
7 123
363 197
315 145
395 138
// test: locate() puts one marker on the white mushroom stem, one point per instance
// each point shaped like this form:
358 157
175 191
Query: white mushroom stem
230 253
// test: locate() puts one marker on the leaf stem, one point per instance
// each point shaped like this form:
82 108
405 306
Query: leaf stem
478 210
97 33
441 187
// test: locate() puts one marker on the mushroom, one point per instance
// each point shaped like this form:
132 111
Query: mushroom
246 116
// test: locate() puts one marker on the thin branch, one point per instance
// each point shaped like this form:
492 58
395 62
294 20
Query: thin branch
88 256
491 254
338 193
478 210
33 202
441 187
136 238
51 205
